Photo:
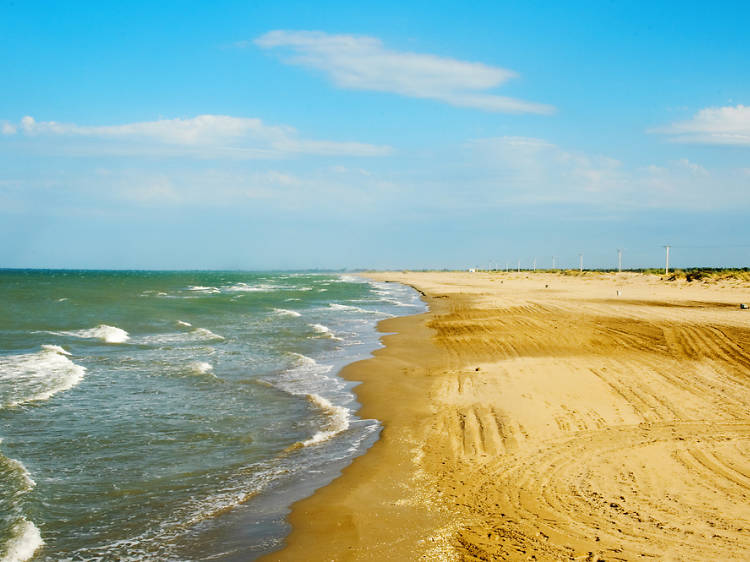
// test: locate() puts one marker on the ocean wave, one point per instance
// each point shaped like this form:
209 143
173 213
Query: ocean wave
338 420
285 312
108 334
325 331
20 473
184 324
245 288
304 360
24 541
37 376
350 308
202 289
206 334
177 338
201 368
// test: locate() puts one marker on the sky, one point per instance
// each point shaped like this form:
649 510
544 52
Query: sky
296 135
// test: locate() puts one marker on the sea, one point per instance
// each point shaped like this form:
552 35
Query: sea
176 415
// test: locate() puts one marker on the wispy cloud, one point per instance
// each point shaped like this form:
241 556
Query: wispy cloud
363 63
204 135
531 170
728 125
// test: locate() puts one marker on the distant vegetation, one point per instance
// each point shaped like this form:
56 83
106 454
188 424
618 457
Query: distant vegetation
705 274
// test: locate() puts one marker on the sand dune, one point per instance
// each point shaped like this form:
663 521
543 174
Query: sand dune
549 418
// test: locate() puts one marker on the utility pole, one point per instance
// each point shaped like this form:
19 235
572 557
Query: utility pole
619 260
534 264
666 267
580 263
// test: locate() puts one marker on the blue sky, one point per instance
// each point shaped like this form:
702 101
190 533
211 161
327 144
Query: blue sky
264 135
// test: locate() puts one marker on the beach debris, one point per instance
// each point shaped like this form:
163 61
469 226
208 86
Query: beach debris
744 306
546 286
619 292
477 369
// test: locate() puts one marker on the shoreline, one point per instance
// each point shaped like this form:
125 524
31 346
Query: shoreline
537 415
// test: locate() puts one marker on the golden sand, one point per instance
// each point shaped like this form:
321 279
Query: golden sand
541 416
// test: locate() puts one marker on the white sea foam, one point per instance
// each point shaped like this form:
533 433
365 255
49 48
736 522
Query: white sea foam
206 334
338 420
201 367
350 308
55 349
304 360
37 376
24 541
63 299
202 289
184 324
325 331
285 312
108 334
245 288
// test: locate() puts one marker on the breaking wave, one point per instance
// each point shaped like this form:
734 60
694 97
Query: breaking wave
103 332
338 420
325 331
37 376
285 312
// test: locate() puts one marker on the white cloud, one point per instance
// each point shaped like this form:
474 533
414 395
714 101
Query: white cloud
530 170
534 169
8 128
363 63
728 125
204 135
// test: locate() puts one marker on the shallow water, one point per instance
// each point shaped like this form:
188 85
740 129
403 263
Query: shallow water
175 415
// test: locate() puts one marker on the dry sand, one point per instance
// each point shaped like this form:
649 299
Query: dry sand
549 423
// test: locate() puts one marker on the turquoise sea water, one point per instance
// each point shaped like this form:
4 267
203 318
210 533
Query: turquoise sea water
175 415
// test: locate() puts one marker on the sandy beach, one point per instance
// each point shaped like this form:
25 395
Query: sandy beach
544 416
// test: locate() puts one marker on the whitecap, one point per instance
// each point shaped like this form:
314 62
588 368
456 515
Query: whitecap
285 312
108 334
184 324
304 360
201 368
202 289
338 420
25 540
245 288
206 334
350 308
325 331
37 376
55 349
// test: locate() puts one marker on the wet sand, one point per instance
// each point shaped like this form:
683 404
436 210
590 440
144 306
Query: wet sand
543 416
